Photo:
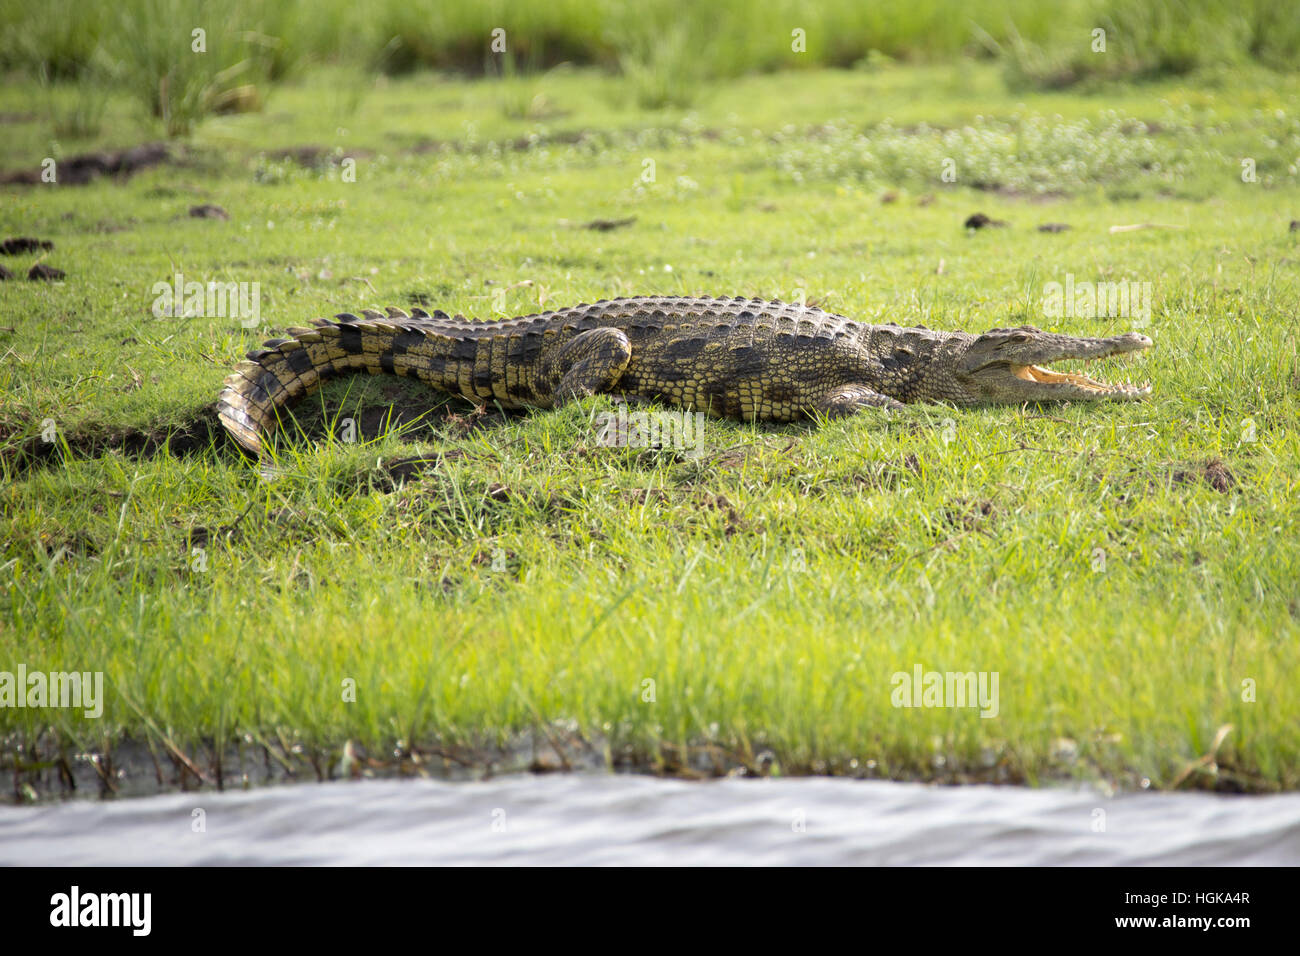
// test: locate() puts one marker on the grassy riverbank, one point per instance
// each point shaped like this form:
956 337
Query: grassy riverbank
1130 572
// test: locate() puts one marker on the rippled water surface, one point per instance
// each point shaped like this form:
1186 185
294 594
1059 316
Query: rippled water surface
640 820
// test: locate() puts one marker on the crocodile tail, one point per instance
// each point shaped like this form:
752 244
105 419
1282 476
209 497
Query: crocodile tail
285 370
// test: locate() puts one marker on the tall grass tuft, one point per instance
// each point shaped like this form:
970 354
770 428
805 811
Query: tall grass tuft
667 49
1146 39
56 39
665 56
176 77
148 48
429 34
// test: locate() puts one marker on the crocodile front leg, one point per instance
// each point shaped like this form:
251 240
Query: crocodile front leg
850 399
590 362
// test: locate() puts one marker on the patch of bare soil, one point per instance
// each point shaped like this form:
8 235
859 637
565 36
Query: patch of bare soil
608 225
22 245
43 273
87 167
208 211
1214 473
184 439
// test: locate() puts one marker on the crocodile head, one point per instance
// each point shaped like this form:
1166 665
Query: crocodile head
1009 366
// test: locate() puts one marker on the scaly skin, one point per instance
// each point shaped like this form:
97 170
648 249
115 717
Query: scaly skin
737 358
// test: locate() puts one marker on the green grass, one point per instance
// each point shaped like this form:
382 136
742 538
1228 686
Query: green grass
668 51
771 588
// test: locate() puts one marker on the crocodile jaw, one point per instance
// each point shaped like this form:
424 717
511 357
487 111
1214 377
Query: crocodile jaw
1010 365
1074 385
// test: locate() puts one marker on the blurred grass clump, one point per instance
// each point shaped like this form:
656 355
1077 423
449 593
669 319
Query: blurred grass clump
1148 39
667 50
181 60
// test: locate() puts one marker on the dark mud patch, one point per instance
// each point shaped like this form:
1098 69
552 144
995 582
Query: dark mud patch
608 225
1213 473
87 167
22 245
200 433
208 211
43 273
980 221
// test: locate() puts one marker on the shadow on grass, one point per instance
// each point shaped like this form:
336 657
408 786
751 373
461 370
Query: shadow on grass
415 414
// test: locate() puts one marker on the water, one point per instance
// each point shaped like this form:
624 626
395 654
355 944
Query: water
583 819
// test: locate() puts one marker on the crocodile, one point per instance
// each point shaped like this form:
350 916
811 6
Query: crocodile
746 359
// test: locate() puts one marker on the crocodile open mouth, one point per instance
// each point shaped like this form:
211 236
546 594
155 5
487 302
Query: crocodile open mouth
1032 380
1075 380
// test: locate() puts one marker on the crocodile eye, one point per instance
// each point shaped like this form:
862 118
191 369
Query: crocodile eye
1020 337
